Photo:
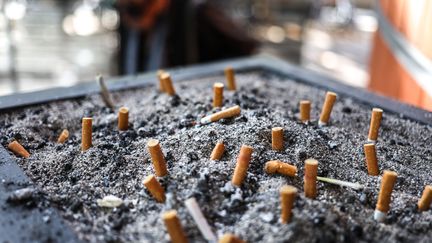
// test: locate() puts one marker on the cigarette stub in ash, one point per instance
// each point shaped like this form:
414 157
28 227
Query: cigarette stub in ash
242 165
64 135
375 123
174 227
218 94
384 197
371 159
305 107
287 197
230 238
161 83
106 96
327 108
217 151
167 83
157 157
227 113
426 199
229 74
277 138
123 119
279 167
18 149
86 133
310 178
155 188
196 213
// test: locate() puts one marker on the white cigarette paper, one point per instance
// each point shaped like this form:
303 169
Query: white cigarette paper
195 211
106 97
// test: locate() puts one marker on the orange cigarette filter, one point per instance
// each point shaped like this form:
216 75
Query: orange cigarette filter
310 178
384 197
174 227
155 188
18 149
167 84
277 138
157 157
229 74
375 123
287 197
279 167
161 83
64 135
217 151
230 238
123 119
242 165
305 107
227 113
86 133
371 159
426 199
218 94
327 108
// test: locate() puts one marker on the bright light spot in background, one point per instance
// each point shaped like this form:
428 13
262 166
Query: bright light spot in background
15 10
275 34
84 21
366 23
67 25
329 60
319 39
293 31
110 19
84 57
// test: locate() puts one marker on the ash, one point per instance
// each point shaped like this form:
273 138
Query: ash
72 181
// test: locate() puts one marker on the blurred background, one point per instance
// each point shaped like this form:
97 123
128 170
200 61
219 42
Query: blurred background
50 43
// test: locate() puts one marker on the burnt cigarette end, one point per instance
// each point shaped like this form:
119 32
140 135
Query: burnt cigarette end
230 238
305 107
277 138
371 159
18 149
384 197
329 101
167 84
64 135
229 74
287 197
217 151
426 199
155 188
242 165
218 94
123 119
279 167
157 157
86 133
310 178
174 227
375 123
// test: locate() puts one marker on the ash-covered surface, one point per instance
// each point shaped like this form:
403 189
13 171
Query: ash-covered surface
72 181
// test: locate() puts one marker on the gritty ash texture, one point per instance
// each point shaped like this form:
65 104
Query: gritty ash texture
72 181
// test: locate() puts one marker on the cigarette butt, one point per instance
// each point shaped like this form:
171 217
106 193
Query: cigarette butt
174 227
230 238
167 83
197 215
218 94
86 133
327 108
18 149
242 165
277 138
384 197
229 74
287 197
426 199
157 157
305 107
371 159
310 178
106 96
123 118
217 151
64 135
155 188
279 167
161 83
375 123
227 113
